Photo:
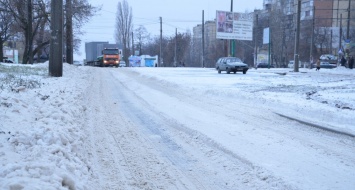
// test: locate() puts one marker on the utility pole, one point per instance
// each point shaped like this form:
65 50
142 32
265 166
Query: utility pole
56 41
161 39
69 32
331 42
297 37
312 39
29 33
203 39
255 40
348 23
270 58
175 58
132 45
13 48
340 33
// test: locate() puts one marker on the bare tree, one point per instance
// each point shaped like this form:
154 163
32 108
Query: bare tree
322 40
142 36
182 42
36 30
6 22
81 12
30 16
124 27
278 45
196 51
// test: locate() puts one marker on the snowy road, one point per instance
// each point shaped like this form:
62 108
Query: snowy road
148 133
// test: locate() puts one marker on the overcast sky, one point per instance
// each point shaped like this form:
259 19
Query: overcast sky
180 14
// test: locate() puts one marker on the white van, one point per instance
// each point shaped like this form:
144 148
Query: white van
122 63
292 63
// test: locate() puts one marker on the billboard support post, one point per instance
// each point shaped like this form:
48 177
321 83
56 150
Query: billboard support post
232 43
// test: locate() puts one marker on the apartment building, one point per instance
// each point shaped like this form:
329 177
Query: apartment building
326 12
330 17
211 43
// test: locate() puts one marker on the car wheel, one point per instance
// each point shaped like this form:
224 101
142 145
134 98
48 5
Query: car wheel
219 71
244 72
235 72
228 70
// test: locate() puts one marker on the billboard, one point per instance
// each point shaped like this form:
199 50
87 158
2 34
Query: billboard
266 36
234 26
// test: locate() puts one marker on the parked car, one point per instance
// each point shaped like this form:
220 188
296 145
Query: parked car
231 64
122 64
42 58
78 63
291 64
301 64
8 61
264 65
332 59
325 65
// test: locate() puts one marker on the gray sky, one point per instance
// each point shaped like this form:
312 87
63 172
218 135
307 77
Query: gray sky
180 14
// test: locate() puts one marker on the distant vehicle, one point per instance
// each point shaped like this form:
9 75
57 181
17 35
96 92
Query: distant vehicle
264 65
41 59
78 63
109 57
8 61
325 65
231 64
329 58
122 64
102 54
292 63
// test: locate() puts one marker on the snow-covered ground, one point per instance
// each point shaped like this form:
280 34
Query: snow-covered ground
176 128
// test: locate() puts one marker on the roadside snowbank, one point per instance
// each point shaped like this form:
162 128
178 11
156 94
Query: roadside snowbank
325 98
42 140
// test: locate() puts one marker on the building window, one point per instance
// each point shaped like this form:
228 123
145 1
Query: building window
308 13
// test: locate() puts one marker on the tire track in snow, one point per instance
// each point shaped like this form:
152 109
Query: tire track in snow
278 139
125 157
175 141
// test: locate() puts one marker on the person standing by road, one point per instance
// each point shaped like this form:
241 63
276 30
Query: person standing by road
351 63
343 61
318 65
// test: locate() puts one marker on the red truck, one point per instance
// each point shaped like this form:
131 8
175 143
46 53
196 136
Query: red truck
109 57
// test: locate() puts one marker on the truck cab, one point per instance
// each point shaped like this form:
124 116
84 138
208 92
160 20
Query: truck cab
109 57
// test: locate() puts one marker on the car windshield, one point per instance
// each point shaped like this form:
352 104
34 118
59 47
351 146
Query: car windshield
233 60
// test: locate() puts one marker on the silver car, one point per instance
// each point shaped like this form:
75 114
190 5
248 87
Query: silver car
231 64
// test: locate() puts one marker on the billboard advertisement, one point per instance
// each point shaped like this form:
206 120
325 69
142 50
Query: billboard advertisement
234 26
266 36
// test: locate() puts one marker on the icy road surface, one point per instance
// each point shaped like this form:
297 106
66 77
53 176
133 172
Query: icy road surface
180 129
